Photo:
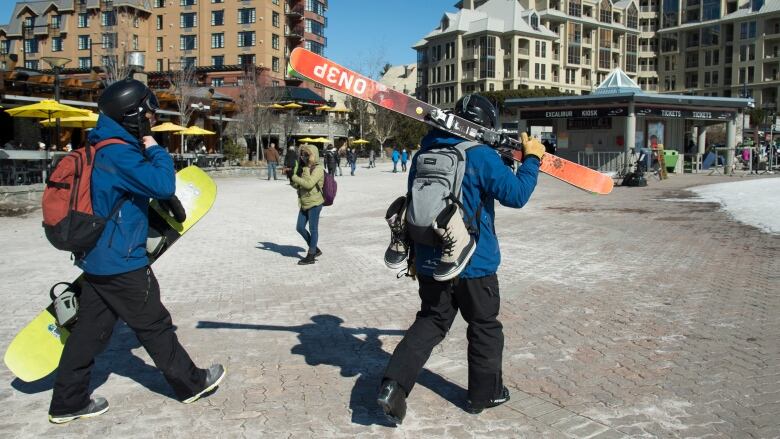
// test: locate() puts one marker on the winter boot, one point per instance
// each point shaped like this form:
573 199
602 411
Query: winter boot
457 244
392 399
398 250
96 407
214 375
477 408
308 260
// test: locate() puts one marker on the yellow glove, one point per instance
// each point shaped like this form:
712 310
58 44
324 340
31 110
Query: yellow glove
532 147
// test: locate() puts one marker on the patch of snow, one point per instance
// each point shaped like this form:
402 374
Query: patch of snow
752 202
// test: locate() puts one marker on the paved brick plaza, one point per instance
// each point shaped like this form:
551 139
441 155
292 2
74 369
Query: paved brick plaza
638 314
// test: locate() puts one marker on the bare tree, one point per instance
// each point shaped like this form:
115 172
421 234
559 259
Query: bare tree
383 126
183 85
254 101
114 61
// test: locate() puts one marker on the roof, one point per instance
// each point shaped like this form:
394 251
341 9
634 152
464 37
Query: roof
300 95
615 83
401 77
39 8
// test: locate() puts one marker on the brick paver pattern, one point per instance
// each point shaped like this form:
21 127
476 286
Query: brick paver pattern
638 314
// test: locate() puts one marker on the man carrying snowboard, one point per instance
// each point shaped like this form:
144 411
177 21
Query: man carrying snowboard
118 281
457 268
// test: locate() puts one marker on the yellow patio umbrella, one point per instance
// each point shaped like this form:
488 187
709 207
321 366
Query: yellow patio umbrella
195 131
47 109
323 108
320 140
360 142
167 126
276 106
293 106
88 121
305 139
340 110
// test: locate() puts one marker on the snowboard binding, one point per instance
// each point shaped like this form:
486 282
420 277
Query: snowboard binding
66 303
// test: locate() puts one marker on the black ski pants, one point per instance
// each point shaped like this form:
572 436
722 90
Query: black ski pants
478 301
135 298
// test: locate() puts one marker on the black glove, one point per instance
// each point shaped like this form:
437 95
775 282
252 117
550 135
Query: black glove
299 169
174 208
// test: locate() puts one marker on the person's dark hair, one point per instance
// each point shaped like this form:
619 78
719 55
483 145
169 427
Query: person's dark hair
126 102
477 109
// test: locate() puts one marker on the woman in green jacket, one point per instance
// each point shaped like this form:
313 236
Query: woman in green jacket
308 179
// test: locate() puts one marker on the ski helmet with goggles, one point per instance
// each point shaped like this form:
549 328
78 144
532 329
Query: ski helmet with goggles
477 109
126 102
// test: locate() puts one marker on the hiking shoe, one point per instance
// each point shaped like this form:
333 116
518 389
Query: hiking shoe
96 407
214 375
318 253
457 244
392 399
308 260
477 408
398 250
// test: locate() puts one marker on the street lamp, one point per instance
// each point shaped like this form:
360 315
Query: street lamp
56 63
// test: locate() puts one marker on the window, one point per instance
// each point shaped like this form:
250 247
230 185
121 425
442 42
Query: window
711 10
159 22
218 41
275 41
575 8
534 21
134 42
188 2
275 64
573 55
108 18
217 82
631 43
275 19
83 20
188 42
315 47
5 47
246 39
605 12
136 22
31 64
188 19
631 62
539 71
218 60
159 4
56 21
31 46
56 44
83 42
540 49
108 40
631 17
217 18
315 6
710 36
85 62
159 44
487 56
747 30
217 1
246 59
190 61
159 64
314 27
247 16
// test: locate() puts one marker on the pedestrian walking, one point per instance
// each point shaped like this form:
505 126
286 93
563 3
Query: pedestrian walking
339 154
331 161
404 159
352 161
396 156
371 158
474 291
118 281
289 161
272 159
309 179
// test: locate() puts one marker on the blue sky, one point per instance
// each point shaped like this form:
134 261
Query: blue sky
365 31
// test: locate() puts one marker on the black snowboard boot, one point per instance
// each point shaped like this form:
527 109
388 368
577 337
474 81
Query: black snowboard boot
318 253
308 260
96 407
214 375
477 408
457 244
398 250
392 399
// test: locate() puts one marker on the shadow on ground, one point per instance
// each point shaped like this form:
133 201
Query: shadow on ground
325 341
290 251
117 359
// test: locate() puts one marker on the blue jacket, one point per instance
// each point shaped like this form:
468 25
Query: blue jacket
404 156
396 155
128 174
486 179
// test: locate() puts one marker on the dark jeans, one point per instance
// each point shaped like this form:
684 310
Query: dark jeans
403 166
135 298
311 236
478 301
271 170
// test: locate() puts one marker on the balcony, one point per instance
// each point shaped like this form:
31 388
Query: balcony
471 53
294 12
106 5
556 78
523 52
54 30
294 32
81 6
468 77
649 87
28 32
523 74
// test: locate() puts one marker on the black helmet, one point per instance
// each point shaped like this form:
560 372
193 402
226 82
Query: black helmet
477 109
126 102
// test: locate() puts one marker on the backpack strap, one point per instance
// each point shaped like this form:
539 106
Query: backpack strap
472 223
97 146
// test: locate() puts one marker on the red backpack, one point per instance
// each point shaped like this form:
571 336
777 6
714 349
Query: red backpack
68 219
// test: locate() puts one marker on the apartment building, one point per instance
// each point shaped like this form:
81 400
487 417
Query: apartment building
721 48
214 34
567 45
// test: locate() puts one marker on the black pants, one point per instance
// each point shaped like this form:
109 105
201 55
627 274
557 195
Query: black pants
478 301
135 298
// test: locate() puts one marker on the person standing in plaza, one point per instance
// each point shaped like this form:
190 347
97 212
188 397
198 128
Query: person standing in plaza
404 159
352 161
371 158
309 179
330 160
118 281
475 291
396 156
289 162
272 159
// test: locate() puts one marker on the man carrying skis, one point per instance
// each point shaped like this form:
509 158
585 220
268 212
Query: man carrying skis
118 281
474 289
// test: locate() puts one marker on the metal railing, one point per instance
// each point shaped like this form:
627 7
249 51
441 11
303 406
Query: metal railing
603 161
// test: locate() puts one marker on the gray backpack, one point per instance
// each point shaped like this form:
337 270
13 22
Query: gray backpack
437 184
